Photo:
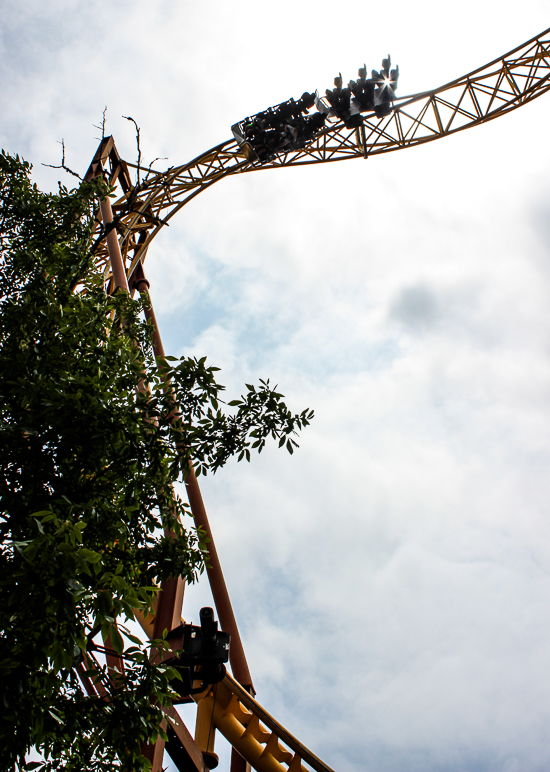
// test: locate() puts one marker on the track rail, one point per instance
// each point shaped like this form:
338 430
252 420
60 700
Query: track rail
264 743
493 90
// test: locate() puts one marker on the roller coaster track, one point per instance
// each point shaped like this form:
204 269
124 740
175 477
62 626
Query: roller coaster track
145 208
259 739
480 96
262 741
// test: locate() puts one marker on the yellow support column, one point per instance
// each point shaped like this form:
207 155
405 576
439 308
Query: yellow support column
205 731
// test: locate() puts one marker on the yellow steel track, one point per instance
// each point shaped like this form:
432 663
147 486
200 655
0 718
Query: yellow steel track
486 93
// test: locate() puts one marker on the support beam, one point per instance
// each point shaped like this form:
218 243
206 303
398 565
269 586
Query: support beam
237 657
182 749
228 623
115 256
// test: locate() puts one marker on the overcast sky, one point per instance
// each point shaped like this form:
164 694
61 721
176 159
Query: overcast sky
391 579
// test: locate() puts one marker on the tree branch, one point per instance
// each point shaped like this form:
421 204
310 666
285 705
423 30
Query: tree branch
63 165
128 118
102 127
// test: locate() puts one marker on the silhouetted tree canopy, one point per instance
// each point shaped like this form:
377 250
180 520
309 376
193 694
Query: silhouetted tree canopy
88 460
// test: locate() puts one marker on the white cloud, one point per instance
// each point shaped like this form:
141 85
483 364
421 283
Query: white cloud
391 578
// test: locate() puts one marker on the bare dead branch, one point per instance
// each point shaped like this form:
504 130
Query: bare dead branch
150 169
63 165
102 127
128 118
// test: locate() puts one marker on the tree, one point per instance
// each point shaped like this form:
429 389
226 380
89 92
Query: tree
89 453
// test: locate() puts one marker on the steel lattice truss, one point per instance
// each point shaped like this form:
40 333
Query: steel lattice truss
486 93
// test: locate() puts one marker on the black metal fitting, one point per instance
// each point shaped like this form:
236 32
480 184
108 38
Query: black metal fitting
204 652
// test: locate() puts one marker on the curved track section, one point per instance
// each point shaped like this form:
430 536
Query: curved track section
493 90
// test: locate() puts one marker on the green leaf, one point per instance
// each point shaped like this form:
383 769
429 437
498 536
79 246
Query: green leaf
89 555
116 640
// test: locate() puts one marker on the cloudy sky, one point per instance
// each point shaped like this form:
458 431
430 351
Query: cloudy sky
391 579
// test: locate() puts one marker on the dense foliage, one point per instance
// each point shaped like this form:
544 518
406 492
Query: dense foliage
88 459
